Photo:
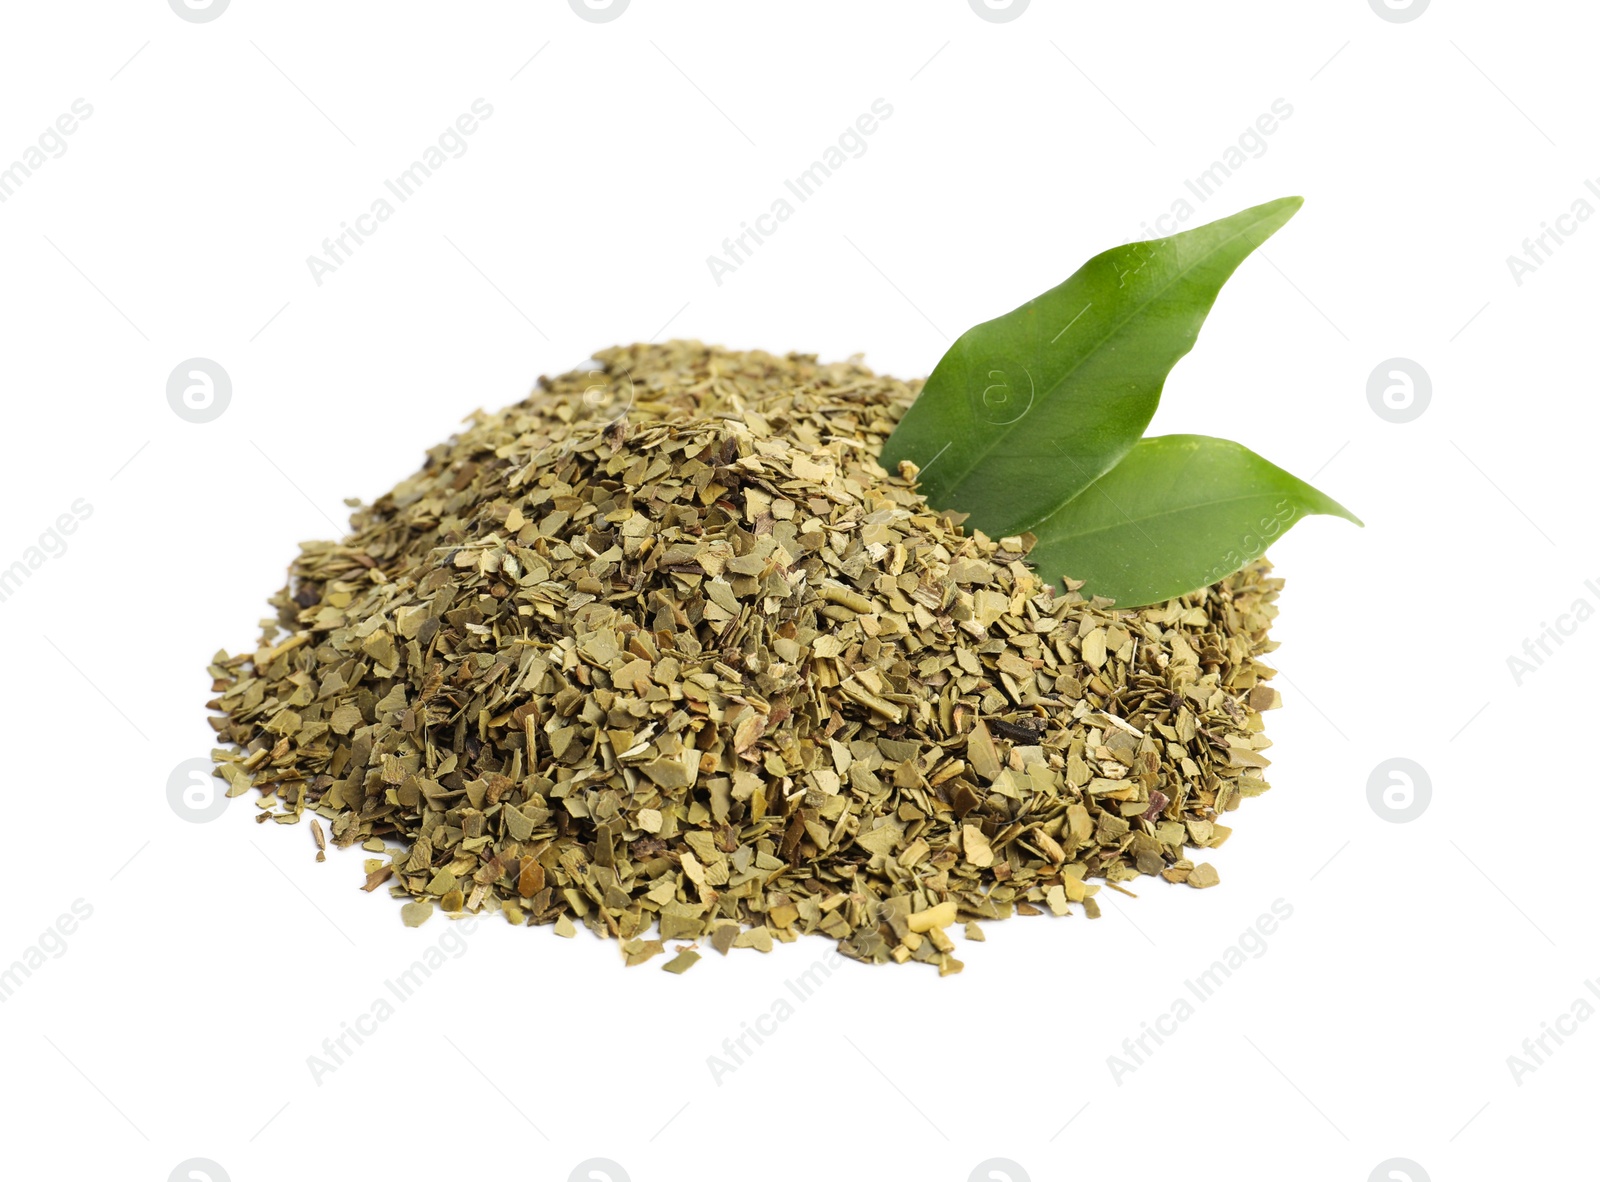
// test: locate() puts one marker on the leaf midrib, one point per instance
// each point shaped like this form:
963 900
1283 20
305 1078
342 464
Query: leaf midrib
1129 520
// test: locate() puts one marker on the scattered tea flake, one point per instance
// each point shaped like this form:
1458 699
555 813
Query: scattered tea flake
974 932
680 921
1056 900
758 938
883 840
976 846
981 752
416 914
1204 875
636 952
518 825
1080 826
683 962
1264 697
1094 648
673 773
345 718
238 779
564 926
940 916
530 881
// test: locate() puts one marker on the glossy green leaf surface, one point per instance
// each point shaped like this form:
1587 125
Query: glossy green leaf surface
1025 412
1177 514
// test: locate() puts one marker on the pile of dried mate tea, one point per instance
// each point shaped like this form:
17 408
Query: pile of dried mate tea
663 651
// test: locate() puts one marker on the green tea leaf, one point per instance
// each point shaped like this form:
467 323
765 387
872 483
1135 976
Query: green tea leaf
1026 411
1178 513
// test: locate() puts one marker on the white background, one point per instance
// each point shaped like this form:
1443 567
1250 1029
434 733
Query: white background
1378 1023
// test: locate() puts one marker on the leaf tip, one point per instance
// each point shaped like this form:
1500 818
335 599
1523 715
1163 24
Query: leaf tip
1333 508
1280 209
